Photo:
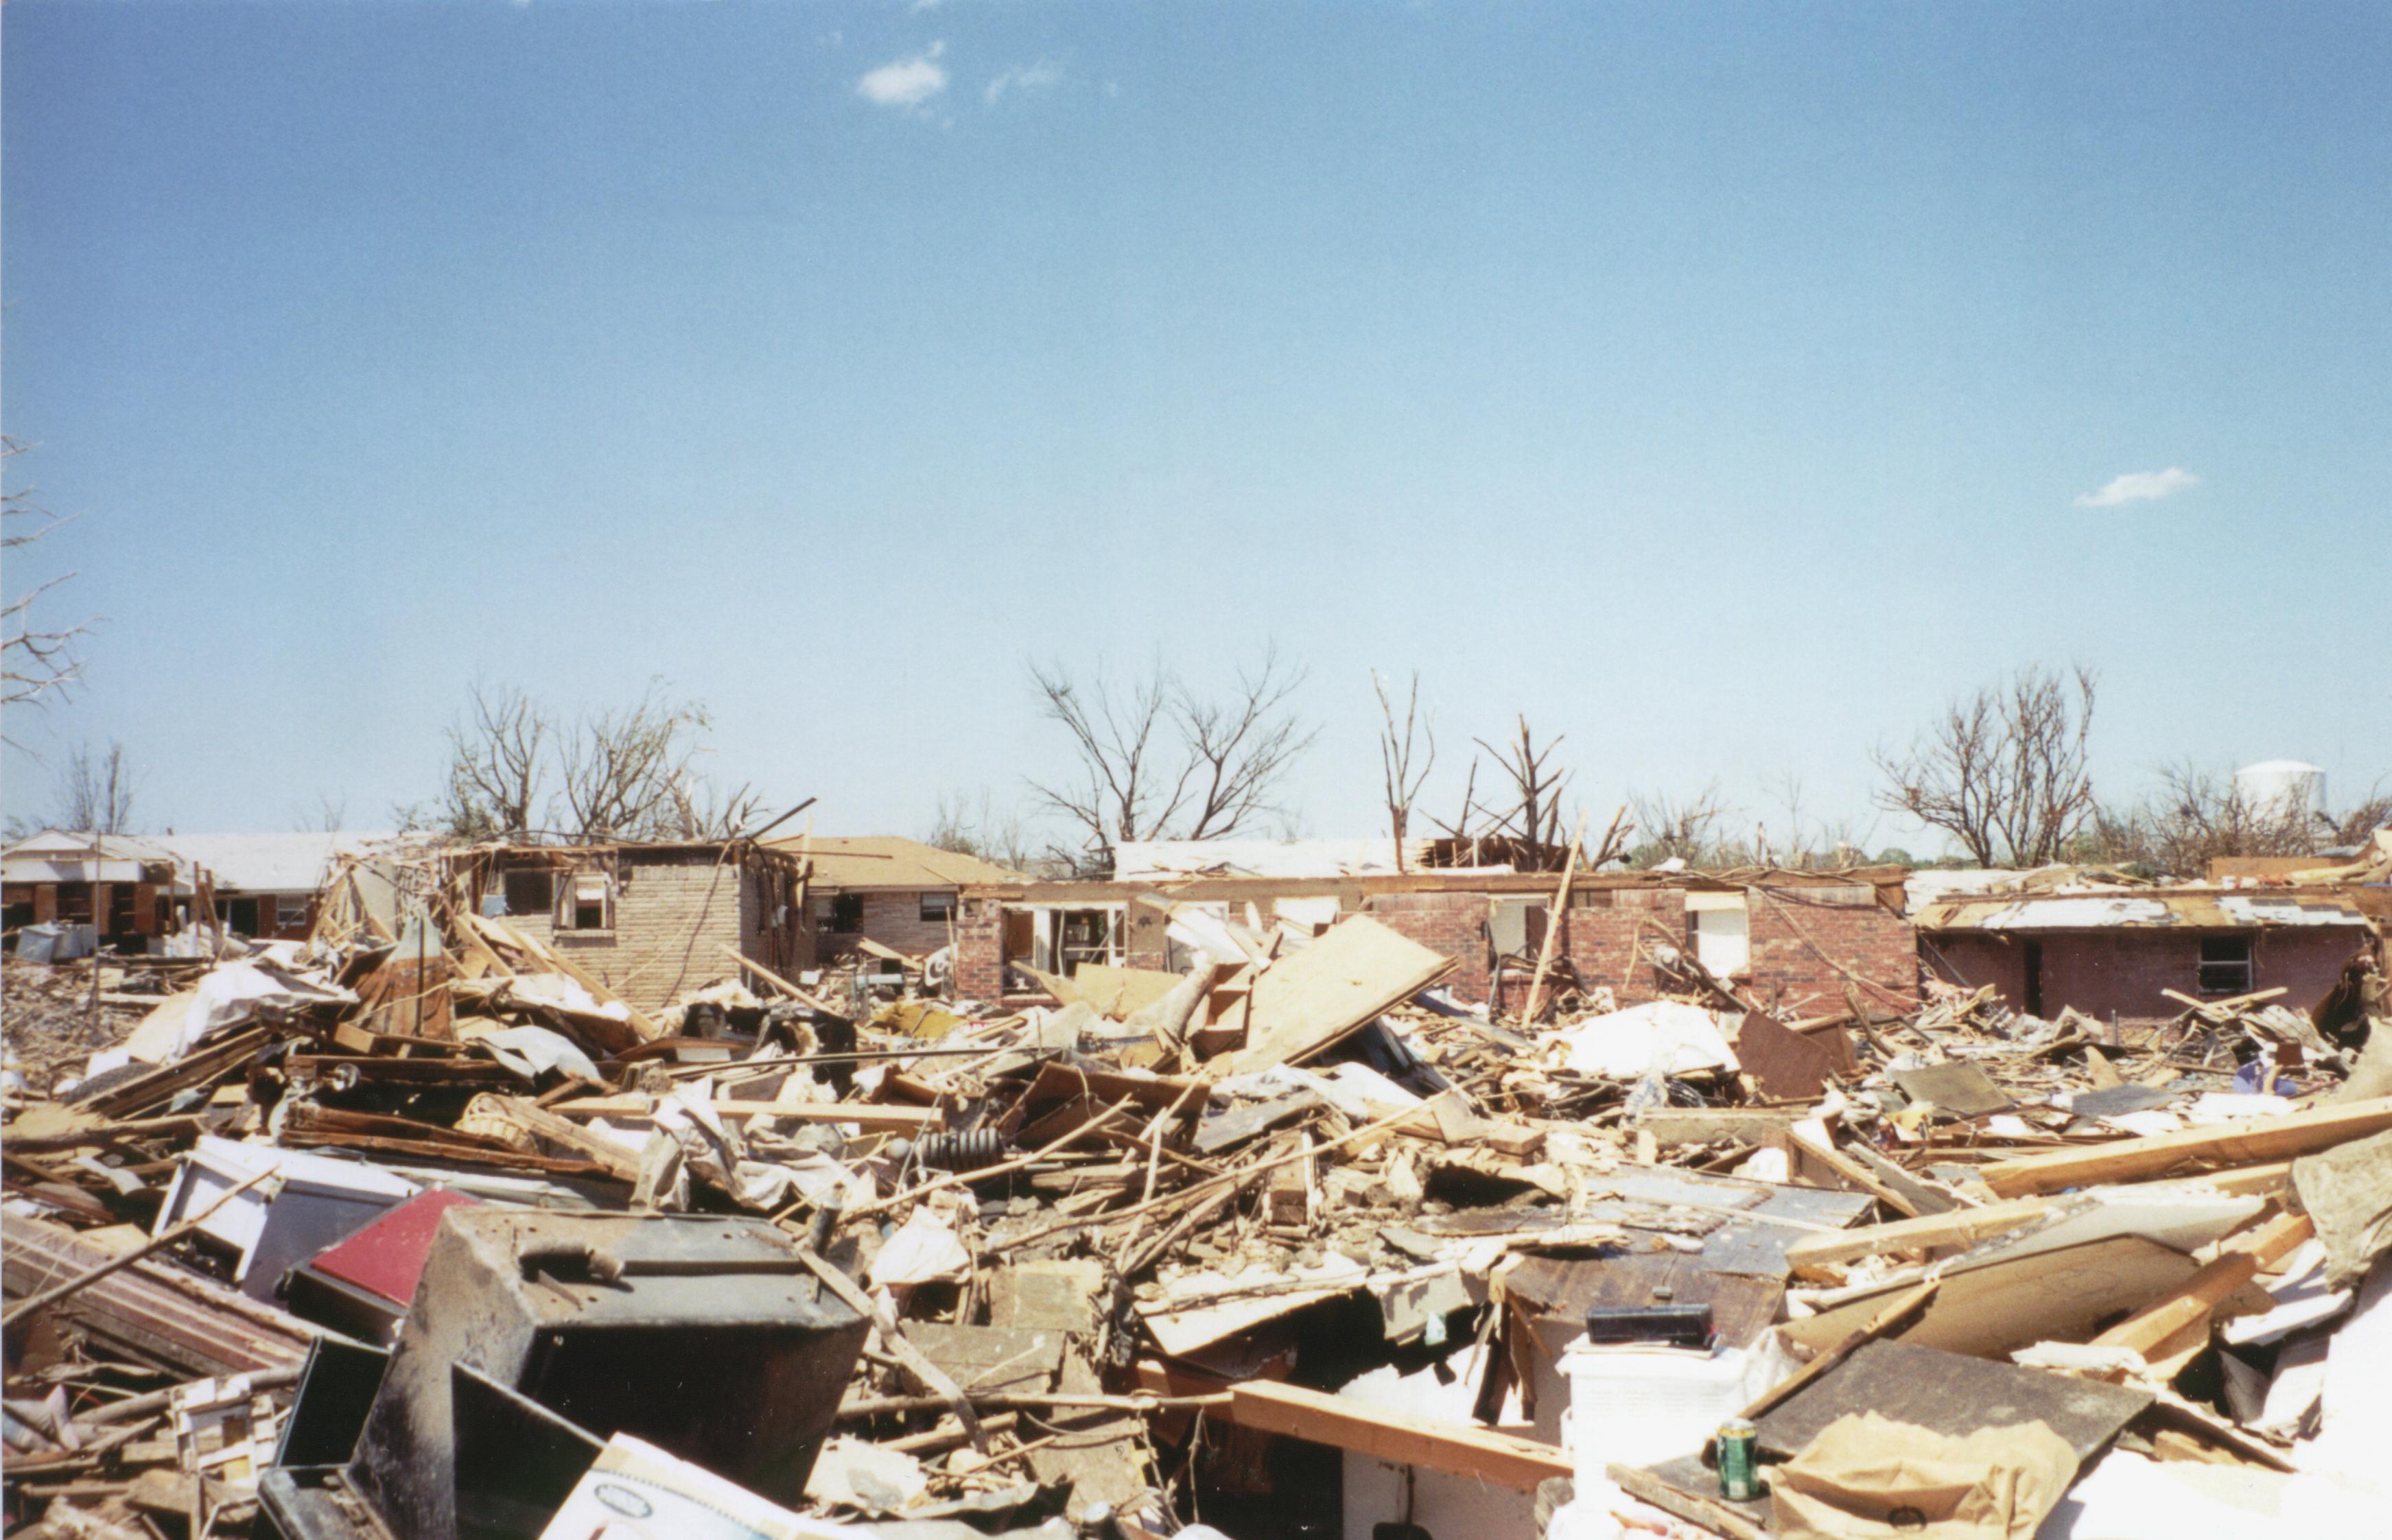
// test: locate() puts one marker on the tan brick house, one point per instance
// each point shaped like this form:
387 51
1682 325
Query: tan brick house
649 920
886 889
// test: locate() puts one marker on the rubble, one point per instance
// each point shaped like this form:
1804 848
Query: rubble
298 1234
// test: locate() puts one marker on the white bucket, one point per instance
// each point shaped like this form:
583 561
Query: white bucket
1637 1405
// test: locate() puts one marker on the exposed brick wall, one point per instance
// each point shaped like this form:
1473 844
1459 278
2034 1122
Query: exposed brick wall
1806 952
672 919
1454 924
980 959
1797 947
893 919
2121 973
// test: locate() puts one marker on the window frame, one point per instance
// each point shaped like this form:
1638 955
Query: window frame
564 917
944 900
2235 974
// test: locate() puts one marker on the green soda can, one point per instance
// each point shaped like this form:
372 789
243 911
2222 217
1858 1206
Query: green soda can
1739 1460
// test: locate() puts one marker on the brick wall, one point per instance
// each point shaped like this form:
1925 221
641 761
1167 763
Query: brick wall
893 919
1454 924
1809 944
979 957
673 915
1798 947
1599 943
2121 973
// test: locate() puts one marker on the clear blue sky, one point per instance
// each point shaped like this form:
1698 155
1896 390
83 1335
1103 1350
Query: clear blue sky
1718 384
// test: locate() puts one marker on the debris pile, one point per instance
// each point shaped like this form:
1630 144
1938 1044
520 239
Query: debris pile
421 1230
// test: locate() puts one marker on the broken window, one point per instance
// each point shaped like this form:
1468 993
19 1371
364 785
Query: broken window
586 901
237 916
938 908
291 913
845 914
2225 965
1087 936
530 890
1723 932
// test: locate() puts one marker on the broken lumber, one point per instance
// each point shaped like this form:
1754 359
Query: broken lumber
1459 1449
2239 1261
2244 1142
867 1115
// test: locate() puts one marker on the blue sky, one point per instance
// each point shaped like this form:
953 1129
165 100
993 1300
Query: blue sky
1724 386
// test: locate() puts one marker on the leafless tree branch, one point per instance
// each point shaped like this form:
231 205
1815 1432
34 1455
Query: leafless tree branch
95 791
2003 770
1126 783
41 662
1401 782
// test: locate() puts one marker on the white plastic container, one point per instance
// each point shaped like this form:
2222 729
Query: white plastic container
1637 1405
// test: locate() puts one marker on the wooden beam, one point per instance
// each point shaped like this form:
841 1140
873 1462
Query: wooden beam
1968 1226
556 962
2157 1325
1897 1312
1555 918
809 1000
1457 1448
1812 1140
2243 1142
1693 1506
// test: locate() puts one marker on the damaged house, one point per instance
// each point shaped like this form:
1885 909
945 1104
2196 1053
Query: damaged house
123 886
2144 954
895 892
647 921
1799 939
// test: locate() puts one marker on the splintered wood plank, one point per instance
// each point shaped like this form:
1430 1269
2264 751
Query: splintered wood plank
1303 1003
2049 1297
2189 1306
2245 1141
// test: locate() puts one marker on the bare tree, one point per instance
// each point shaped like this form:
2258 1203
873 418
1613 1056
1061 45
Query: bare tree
696 809
41 662
95 791
2358 822
497 764
1402 782
1683 829
2003 770
2197 815
623 771
1157 760
1535 814
1808 842
980 830
329 815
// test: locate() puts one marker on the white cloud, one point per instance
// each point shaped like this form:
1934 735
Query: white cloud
2140 486
1041 76
906 81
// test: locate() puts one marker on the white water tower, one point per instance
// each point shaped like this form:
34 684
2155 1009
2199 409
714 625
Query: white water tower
2285 788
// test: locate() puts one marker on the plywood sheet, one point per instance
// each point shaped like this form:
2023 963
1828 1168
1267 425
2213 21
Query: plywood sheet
1950 1393
1122 993
1960 1090
1303 1003
2062 1296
